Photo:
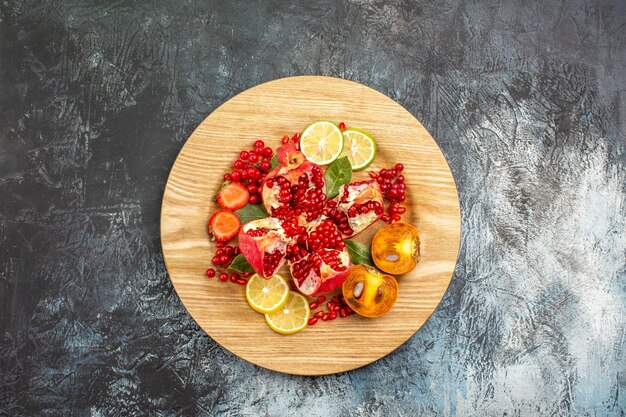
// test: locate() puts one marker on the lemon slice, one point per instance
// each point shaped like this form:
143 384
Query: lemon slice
322 142
360 148
266 295
292 317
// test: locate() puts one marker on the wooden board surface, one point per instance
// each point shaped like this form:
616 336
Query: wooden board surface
269 111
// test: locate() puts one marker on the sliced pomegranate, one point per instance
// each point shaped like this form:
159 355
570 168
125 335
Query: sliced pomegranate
295 188
264 245
357 206
318 259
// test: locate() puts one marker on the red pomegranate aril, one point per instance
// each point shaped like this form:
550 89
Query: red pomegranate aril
224 277
224 259
384 187
235 175
380 179
219 252
396 217
247 274
238 164
226 177
401 198
242 281
401 210
326 316
265 166
285 140
400 179
210 272
259 144
342 126
215 260
229 250
269 183
319 314
252 189
237 251
253 158
296 137
321 299
254 199
373 174
313 305
343 312
313 321
244 155
221 244
268 152
332 315
385 217
399 167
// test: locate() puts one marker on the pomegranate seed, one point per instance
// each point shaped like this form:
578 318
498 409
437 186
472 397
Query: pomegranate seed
235 175
224 277
234 277
265 166
224 259
259 144
390 173
383 173
342 126
253 158
296 137
396 217
229 250
399 167
210 272
385 217
252 189
319 314
313 305
244 155
297 146
247 274
326 316
219 252
221 244
321 299
401 209
215 260
238 164
268 152
312 321
285 140
226 177
400 179
343 312
373 174
332 316
242 282
254 199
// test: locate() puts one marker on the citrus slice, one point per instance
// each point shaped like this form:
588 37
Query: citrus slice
266 295
322 142
360 148
291 317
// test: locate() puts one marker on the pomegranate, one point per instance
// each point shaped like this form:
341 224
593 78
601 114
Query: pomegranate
264 245
295 188
318 258
357 206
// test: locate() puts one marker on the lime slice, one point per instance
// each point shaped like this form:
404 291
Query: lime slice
322 142
359 147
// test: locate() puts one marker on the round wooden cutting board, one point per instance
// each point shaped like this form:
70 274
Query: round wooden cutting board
269 111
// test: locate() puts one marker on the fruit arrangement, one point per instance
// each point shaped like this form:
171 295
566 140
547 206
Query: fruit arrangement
298 208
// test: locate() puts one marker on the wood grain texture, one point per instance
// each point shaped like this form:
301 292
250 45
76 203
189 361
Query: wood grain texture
268 111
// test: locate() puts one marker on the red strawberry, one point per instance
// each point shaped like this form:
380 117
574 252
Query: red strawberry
233 195
224 225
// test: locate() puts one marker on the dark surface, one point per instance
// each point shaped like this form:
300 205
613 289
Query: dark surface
527 100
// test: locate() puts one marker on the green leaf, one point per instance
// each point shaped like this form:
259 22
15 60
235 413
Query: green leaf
337 174
359 253
251 212
273 162
240 264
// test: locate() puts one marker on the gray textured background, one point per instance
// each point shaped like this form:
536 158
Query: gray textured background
527 99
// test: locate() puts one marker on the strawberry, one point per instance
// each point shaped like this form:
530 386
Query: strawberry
233 195
224 225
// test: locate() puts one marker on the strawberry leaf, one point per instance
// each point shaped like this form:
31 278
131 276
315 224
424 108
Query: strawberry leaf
338 173
359 253
240 264
251 212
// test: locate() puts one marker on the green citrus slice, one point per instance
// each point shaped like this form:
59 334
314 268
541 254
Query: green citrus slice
360 148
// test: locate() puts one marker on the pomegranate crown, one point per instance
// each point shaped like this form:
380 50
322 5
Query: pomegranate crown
289 156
